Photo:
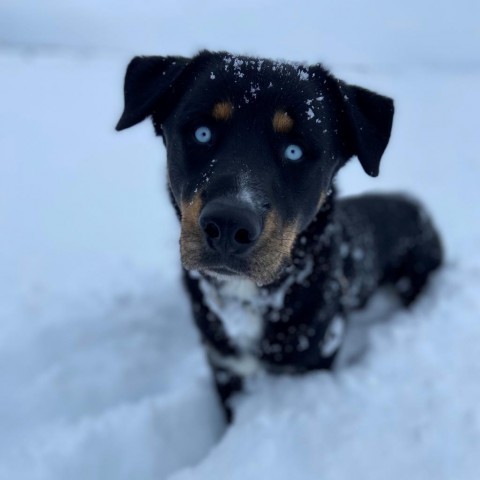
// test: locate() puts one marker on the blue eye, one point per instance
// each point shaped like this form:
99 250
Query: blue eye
203 134
293 152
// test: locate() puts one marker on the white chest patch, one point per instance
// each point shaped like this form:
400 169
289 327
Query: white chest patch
236 303
240 305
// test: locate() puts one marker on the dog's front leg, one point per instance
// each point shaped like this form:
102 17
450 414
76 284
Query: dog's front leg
220 351
227 384
309 337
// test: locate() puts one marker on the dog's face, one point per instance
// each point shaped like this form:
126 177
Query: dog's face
252 148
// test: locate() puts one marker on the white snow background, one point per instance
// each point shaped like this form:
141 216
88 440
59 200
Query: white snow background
101 371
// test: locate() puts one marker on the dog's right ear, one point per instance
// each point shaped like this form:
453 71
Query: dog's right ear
150 85
370 117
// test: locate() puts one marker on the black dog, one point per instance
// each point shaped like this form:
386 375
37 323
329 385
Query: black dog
273 262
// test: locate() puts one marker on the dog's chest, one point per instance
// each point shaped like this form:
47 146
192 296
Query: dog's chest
237 304
245 310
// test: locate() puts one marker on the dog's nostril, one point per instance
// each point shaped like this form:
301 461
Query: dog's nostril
212 230
242 236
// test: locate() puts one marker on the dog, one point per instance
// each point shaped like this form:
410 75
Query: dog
273 262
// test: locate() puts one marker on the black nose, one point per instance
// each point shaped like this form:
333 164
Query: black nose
230 228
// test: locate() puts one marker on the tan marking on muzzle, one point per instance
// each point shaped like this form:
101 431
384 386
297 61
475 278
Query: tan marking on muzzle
271 254
282 122
273 251
222 111
191 235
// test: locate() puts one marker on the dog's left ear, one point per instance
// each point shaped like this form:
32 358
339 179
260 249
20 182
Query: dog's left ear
150 85
370 118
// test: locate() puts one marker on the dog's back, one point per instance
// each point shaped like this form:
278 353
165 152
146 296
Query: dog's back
406 245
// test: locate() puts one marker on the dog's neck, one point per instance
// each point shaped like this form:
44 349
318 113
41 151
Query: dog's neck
239 305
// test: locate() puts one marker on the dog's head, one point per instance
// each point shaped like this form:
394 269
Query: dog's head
252 148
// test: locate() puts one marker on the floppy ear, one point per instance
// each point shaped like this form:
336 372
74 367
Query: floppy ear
370 117
149 84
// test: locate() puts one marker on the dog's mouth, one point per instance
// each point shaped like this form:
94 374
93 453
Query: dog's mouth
224 267
222 270
262 267
222 273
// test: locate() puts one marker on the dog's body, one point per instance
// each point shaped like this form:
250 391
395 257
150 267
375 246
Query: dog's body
274 263
297 323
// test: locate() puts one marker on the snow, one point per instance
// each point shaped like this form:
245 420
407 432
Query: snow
102 372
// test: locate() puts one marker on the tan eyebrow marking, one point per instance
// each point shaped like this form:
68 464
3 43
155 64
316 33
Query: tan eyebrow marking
222 111
282 122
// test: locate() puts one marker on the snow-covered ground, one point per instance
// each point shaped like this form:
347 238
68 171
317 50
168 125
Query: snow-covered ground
101 372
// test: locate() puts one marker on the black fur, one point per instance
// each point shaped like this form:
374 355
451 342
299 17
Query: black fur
342 250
